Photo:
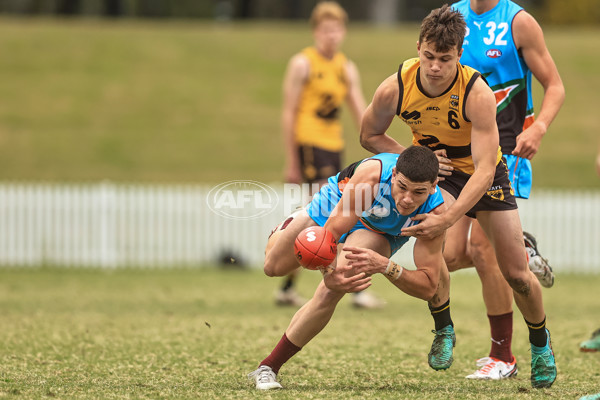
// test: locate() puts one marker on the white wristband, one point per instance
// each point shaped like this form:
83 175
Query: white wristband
389 266
393 271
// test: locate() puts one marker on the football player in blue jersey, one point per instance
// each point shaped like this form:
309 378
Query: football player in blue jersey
506 45
365 207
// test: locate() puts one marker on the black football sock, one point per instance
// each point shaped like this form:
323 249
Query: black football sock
288 284
537 333
441 315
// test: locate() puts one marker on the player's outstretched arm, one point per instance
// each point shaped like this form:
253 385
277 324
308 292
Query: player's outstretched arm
357 196
481 110
529 39
378 117
295 77
421 283
355 99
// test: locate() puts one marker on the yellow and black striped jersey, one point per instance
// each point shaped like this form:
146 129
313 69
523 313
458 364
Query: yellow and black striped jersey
439 122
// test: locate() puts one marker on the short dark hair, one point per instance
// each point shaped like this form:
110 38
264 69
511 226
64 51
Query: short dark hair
419 164
445 27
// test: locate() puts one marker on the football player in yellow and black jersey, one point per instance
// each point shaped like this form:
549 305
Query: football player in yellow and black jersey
318 80
451 109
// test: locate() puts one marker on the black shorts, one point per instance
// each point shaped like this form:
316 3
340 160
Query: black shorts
318 164
497 198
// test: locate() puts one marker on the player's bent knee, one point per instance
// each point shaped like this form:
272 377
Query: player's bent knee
456 261
481 252
480 245
273 267
269 269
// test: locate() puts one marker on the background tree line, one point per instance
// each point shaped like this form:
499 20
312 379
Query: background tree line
379 11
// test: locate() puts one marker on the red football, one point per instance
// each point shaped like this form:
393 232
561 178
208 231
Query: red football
315 247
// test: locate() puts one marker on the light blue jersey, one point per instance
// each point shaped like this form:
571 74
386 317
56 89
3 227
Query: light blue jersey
383 216
489 47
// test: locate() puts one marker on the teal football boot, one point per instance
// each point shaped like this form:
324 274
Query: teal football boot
440 355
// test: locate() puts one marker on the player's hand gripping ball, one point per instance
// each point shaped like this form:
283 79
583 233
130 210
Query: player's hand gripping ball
315 248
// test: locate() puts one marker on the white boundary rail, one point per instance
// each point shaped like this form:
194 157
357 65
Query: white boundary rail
132 225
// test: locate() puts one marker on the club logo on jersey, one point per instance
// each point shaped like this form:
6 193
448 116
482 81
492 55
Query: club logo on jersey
454 101
378 212
493 53
496 193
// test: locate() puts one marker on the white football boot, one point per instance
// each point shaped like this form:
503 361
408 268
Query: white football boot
493 368
538 264
289 298
265 378
367 300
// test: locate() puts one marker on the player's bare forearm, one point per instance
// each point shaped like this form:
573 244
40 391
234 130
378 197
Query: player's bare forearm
381 144
554 97
373 136
289 142
292 170
529 39
419 283
338 224
481 109
471 193
423 282
358 195
355 97
378 117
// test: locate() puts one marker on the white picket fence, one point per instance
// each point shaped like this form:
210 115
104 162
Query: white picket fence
132 225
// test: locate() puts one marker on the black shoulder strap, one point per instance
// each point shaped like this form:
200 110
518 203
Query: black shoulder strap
467 91
400 90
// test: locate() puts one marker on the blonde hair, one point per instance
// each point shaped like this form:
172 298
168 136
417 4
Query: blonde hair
327 10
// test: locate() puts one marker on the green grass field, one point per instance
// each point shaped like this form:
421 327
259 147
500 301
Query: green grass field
196 333
200 102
